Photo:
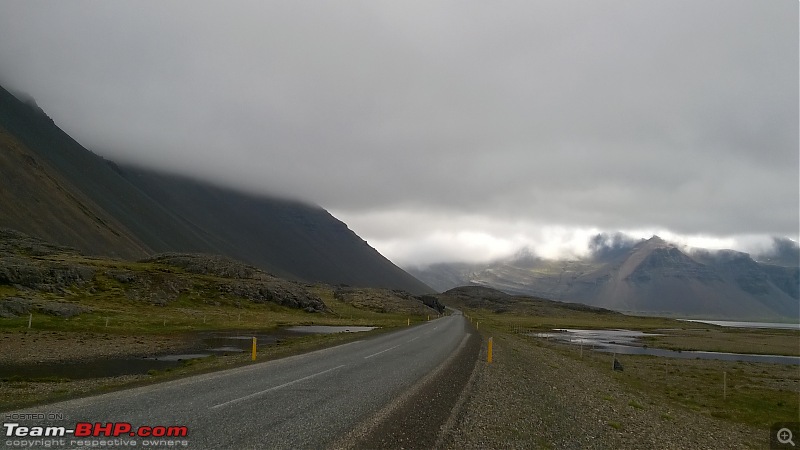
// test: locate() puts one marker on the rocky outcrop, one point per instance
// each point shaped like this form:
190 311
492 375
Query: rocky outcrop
385 301
250 282
203 264
14 307
33 267
42 275
283 293
432 301
13 242
154 287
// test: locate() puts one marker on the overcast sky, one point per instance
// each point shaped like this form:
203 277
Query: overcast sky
443 130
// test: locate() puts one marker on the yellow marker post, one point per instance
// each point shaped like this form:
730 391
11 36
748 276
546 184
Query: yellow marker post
409 322
489 352
254 348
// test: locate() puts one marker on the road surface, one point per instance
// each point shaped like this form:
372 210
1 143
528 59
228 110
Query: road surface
304 401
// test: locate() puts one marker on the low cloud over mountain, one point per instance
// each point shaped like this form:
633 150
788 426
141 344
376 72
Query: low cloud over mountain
56 190
649 276
443 131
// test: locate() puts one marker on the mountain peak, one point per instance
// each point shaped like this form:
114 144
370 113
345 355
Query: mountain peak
655 243
652 244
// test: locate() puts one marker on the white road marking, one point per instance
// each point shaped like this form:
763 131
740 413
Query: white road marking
412 340
275 388
382 351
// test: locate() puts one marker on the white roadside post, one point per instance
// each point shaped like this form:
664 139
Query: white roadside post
724 385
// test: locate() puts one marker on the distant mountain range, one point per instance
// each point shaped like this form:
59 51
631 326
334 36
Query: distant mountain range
647 276
53 188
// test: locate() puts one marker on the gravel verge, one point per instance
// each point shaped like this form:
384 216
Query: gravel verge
533 396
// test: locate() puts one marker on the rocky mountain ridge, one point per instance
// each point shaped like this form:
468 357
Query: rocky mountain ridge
648 276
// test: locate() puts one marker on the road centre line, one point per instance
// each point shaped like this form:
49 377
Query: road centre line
382 351
274 388
412 340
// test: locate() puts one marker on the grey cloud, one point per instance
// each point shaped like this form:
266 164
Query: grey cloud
679 115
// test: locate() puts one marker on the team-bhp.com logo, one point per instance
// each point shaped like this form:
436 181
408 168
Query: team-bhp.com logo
87 429
94 435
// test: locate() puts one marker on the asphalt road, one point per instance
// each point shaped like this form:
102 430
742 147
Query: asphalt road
305 401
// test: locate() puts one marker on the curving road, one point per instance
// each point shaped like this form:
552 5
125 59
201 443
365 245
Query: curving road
305 401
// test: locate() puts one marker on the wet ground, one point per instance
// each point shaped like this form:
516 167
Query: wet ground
206 344
627 342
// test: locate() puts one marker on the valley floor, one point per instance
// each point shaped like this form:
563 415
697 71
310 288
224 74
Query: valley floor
535 393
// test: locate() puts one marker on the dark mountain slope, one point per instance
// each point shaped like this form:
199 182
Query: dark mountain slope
64 193
92 177
33 197
773 286
288 238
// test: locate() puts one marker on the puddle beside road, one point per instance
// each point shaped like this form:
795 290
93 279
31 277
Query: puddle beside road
626 342
176 358
242 342
326 329
221 343
208 344
596 337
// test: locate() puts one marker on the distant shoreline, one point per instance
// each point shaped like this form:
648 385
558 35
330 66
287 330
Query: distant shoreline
741 324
